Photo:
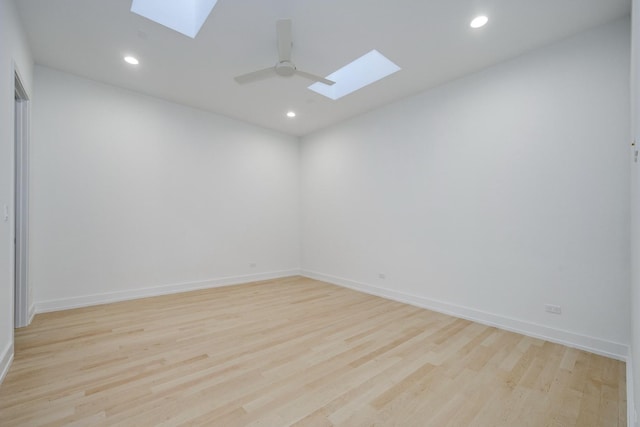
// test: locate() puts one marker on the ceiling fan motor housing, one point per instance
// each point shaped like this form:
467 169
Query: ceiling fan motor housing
285 68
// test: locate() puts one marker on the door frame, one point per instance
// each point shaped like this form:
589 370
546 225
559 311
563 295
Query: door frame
23 312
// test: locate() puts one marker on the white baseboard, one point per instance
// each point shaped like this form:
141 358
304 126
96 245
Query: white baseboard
591 344
32 313
6 357
104 298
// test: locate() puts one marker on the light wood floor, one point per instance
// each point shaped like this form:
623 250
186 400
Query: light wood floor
296 352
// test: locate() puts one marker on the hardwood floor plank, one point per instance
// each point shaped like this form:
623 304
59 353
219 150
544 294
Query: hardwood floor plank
300 352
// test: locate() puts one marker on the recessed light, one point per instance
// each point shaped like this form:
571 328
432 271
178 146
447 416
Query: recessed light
131 60
291 114
479 21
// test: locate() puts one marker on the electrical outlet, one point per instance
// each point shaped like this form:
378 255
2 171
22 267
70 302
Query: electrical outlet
553 309
382 276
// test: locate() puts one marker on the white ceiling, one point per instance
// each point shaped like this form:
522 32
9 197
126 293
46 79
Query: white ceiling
429 39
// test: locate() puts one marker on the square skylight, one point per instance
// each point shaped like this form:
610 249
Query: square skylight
183 16
365 70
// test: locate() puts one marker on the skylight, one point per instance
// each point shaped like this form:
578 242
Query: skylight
183 16
365 70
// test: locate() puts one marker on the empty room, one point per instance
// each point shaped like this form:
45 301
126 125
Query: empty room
319 213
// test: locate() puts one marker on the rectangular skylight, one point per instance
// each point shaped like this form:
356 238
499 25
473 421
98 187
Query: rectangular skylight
365 70
183 16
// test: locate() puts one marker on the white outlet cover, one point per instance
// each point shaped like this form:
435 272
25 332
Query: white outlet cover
553 309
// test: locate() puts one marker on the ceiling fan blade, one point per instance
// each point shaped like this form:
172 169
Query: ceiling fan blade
314 77
256 75
283 30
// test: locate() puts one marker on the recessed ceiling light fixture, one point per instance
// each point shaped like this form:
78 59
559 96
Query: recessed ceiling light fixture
291 114
479 21
367 69
131 60
183 16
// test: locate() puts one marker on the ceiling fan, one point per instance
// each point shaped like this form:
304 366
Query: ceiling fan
284 67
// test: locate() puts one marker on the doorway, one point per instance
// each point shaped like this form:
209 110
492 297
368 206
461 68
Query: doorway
21 204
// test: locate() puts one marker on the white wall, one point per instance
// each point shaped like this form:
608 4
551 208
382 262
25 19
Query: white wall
490 196
634 357
14 54
134 196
